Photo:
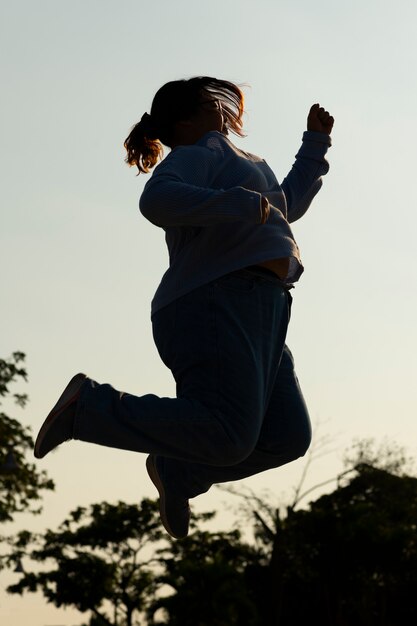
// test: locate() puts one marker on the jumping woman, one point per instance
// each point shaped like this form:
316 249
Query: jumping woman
221 311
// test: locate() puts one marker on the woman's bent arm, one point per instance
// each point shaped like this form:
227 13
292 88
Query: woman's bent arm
304 179
179 193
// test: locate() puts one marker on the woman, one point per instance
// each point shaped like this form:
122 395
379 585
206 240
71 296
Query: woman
221 311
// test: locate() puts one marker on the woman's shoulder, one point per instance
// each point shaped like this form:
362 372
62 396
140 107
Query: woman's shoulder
211 143
213 140
208 149
220 142
208 143
212 149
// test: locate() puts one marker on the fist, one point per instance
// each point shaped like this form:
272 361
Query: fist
320 120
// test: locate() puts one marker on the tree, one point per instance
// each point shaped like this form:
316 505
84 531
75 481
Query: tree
350 557
100 561
207 574
20 482
108 560
353 555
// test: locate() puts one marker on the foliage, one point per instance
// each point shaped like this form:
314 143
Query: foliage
99 561
109 560
20 485
348 559
387 455
207 574
351 555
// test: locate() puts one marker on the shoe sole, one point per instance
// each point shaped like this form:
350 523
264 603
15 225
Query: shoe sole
154 476
68 396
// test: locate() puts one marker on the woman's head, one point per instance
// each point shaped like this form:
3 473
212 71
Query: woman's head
182 111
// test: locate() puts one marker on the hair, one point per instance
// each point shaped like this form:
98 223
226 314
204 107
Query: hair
176 101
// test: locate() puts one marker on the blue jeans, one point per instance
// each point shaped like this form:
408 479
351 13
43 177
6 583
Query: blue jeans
239 409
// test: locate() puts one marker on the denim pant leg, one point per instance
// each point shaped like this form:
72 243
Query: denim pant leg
221 342
284 437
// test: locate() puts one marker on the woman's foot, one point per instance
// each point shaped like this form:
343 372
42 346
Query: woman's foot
58 426
174 510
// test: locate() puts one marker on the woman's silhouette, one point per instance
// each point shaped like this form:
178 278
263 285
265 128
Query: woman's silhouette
221 311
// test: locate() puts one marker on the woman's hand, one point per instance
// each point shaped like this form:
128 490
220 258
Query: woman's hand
320 120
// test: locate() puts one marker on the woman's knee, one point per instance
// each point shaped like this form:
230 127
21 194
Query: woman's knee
295 445
302 441
233 451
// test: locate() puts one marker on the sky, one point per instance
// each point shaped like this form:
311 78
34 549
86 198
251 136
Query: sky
80 264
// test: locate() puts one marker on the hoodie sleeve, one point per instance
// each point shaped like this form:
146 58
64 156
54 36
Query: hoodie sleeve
304 180
179 192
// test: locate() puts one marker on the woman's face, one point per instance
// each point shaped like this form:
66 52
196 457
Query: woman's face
209 115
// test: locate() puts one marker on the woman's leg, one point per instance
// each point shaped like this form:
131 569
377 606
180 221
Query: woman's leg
221 342
284 437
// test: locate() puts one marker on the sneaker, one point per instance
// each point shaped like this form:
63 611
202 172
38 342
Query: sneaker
174 511
58 426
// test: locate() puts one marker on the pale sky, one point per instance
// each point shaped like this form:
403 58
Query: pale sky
80 264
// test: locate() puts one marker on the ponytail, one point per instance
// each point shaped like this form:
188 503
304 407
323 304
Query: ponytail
143 146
